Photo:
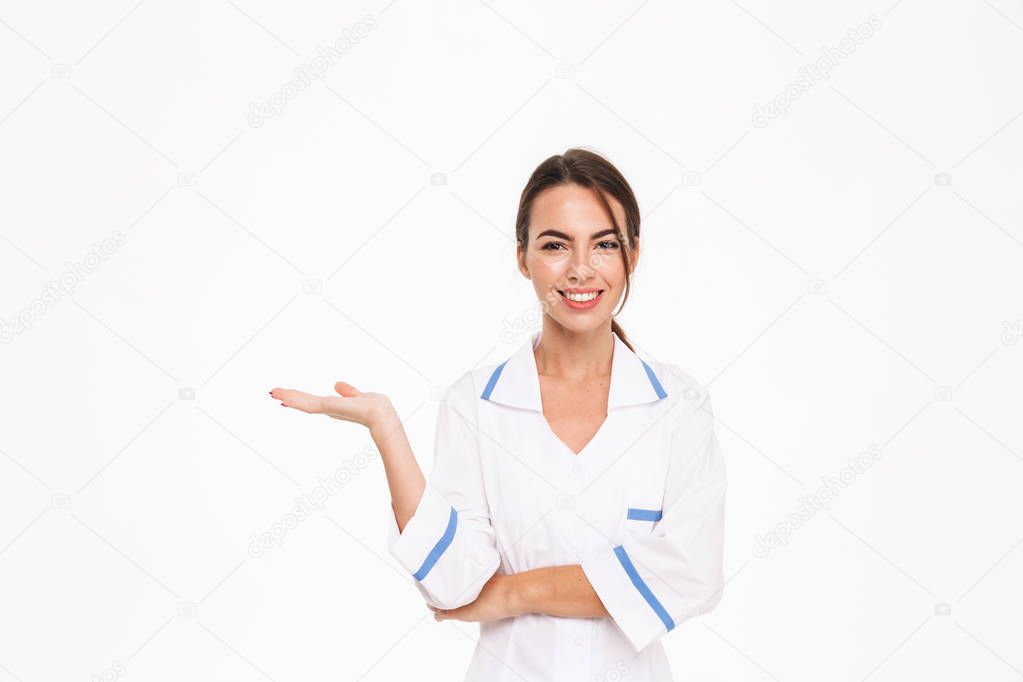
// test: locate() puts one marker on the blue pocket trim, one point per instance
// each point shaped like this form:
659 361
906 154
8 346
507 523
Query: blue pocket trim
438 549
644 514
626 562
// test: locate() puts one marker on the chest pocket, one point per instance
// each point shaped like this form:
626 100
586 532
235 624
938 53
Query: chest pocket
640 520
640 514
642 502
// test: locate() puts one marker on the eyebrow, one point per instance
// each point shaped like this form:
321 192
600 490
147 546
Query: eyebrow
562 235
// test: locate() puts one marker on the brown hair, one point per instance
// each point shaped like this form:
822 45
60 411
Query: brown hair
586 169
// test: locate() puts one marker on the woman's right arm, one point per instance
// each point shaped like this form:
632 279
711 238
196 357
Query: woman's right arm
404 477
442 532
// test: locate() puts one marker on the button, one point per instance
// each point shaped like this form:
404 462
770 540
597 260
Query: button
578 641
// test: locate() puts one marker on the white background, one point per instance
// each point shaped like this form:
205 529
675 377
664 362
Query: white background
833 292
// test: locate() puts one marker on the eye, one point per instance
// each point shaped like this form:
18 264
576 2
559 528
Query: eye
548 245
613 244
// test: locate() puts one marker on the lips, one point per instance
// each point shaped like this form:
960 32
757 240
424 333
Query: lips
580 305
578 291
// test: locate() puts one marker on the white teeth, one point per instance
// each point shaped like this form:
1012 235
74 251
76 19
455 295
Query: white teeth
581 298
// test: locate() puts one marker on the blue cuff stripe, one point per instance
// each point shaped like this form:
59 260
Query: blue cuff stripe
642 587
493 380
438 549
653 380
644 514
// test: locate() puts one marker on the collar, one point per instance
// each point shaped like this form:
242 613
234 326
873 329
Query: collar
516 382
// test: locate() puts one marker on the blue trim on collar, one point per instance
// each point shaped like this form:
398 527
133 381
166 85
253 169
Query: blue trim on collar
493 380
653 380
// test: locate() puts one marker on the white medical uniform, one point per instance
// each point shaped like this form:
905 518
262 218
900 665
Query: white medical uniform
640 508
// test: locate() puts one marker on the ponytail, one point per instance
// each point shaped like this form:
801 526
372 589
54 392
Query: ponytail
617 329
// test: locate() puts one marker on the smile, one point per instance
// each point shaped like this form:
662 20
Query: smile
581 300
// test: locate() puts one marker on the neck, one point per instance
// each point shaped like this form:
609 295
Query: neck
574 355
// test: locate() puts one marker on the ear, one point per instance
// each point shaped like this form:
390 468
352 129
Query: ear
520 259
635 255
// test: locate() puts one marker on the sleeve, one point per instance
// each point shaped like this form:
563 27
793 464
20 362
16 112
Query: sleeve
448 545
649 584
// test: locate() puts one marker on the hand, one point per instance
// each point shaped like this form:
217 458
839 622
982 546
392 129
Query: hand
494 601
369 409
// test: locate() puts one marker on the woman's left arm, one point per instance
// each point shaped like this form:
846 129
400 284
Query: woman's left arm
554 590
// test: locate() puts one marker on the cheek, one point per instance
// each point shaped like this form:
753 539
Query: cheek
608 263
610 268
547 271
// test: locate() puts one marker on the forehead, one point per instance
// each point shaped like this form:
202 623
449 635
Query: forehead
572 208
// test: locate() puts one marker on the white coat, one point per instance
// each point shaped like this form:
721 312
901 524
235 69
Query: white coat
640 508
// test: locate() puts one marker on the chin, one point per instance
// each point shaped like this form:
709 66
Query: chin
584 326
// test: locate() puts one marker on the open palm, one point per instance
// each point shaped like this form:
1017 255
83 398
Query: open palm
350 404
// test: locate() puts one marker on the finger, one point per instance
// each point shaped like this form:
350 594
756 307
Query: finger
347 390
299 400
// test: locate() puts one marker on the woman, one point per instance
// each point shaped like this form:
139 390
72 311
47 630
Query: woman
575 508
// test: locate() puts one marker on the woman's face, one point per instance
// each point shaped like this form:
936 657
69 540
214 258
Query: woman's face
573 252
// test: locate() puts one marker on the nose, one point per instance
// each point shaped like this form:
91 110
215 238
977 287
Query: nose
580 270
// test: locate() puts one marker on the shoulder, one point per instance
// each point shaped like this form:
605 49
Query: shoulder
462 388
683 389
689 414
467 387
478 379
